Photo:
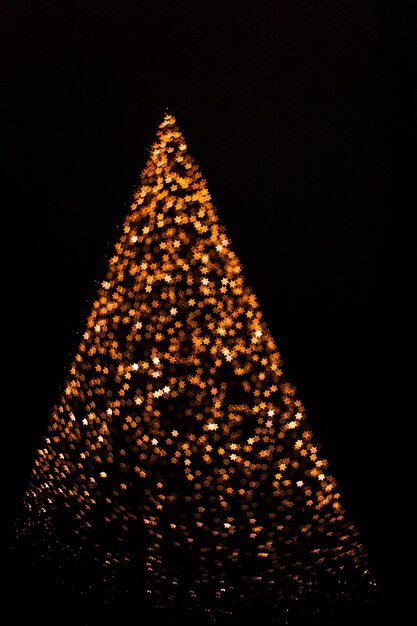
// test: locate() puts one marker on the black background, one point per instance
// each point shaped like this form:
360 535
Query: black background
299 114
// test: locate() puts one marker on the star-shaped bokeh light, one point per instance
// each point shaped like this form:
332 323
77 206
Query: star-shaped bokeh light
178 452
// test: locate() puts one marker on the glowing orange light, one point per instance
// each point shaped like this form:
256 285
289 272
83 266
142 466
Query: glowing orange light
176 419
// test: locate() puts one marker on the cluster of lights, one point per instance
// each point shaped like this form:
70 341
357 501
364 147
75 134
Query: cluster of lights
176 428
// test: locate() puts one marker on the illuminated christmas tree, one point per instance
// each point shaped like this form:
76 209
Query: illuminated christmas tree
179 460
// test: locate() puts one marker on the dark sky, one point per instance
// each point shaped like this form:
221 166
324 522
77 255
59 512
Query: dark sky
297 113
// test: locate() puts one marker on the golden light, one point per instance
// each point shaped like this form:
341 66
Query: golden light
177 428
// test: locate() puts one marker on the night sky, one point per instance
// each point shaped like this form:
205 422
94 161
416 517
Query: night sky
298 114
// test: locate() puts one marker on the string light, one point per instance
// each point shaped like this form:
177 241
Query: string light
177 430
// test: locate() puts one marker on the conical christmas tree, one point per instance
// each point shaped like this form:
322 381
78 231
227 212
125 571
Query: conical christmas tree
178 460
